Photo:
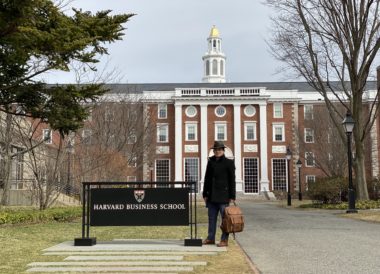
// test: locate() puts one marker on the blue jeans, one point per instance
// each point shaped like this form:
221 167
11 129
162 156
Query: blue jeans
213 210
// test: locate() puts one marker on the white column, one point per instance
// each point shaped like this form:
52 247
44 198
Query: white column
204 145
237 146
178 142
264 182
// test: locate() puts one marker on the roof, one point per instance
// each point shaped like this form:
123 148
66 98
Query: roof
300 86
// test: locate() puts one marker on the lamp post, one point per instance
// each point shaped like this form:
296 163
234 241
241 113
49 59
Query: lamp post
348 125
288 157
299 165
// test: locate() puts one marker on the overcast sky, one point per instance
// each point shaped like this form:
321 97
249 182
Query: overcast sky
166 39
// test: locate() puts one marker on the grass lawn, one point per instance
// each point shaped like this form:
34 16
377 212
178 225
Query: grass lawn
365 215
369 215
22 244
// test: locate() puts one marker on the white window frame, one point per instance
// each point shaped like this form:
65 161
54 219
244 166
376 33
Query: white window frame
166 126
281 110
220 107
131 179
224 125
86 136
310 130
50 132
188 111
132 139
133 162
156 169
163 107
246 124
246 111
310 112
306 157
184 168
274 126
188 125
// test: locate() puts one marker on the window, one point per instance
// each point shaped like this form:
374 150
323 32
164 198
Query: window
279 174
309 135
220 111
47 135
214 67
221 67
249 131
191 132
251 175
277 110
86 136
310 179
220 132
308 112
278 132
133 162
162 171
309 159
131 178
89 117
330 157
162 133
19 165
249 111
162 111
191 111
192 171
207 67
132 139
109 114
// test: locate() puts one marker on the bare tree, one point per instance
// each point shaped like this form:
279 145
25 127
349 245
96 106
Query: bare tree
44 161
321 137
333 40
116 142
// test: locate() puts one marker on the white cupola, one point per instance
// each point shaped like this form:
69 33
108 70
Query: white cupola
214 61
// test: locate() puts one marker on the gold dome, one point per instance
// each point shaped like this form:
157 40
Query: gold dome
214 32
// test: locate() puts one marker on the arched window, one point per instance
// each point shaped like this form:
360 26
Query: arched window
207 67
219 45
221 67
214 44
214 67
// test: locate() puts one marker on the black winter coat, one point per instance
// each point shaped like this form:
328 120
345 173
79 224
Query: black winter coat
220 185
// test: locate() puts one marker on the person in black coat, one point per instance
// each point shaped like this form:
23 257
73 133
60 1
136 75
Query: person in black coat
219 190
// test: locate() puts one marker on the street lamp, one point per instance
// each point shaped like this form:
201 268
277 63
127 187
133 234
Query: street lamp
348 125
288 157
299 165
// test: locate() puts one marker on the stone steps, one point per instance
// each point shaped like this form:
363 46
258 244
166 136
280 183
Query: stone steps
125 256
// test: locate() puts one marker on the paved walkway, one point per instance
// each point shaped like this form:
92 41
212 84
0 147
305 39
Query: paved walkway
281 240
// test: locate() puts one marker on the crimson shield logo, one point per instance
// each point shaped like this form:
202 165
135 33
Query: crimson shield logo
139 195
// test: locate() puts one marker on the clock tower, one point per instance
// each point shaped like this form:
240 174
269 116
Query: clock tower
214 61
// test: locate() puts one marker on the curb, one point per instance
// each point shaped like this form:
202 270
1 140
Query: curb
248 260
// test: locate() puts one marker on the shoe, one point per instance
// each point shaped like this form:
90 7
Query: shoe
208 242
222 243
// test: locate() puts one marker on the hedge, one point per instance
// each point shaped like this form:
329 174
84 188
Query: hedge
363 204
29 216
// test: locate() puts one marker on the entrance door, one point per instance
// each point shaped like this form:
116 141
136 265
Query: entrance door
251 175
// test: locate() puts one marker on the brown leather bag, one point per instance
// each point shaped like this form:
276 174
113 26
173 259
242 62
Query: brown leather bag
233 220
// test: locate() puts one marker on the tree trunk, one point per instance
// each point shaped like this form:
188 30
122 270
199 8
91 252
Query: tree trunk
360 175
7 159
